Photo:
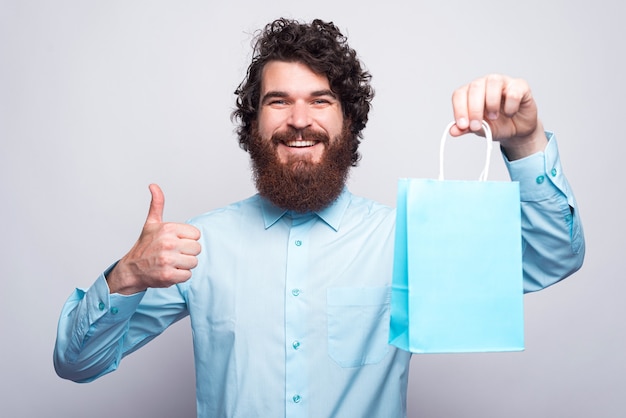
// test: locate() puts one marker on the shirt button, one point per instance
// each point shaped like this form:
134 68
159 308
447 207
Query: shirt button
296 345
295 292
114 310
298 243
101 306
553 172
297 398
540 179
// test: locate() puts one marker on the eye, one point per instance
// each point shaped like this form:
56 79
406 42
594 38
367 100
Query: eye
321 101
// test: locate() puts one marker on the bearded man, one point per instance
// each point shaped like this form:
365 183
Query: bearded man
288 291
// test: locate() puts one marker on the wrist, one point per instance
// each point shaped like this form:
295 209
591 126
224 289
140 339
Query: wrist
517 148
121 280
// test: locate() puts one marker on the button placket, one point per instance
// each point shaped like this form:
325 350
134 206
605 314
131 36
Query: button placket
296 375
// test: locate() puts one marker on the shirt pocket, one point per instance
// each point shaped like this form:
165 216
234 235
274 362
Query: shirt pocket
358 324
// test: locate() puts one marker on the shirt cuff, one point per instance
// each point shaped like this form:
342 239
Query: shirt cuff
540 175
110 307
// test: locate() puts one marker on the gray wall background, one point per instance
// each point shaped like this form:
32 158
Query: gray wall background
100 98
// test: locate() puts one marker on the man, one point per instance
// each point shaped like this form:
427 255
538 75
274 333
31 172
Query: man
288 290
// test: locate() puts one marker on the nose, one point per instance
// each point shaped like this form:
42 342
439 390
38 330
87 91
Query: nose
299 118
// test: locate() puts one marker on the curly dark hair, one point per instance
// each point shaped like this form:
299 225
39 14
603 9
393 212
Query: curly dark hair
324 49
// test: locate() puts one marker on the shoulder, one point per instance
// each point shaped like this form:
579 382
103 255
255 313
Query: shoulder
363 209
229 213
369 206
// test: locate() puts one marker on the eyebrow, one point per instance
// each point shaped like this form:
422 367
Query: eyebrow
283 94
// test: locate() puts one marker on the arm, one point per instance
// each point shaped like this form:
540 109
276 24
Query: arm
97 329
123 310
553 242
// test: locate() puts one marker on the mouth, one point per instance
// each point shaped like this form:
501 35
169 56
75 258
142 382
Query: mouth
298 150
300 139
300 143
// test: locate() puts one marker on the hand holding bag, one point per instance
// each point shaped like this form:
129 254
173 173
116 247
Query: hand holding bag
457 275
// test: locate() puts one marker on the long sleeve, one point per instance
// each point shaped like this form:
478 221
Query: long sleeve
97 329
553 241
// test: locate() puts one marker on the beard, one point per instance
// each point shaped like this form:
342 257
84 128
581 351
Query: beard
300 184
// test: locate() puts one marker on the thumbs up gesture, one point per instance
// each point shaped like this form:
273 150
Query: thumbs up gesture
163 255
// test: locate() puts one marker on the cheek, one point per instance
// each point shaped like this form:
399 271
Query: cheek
335 134
334 126
268 123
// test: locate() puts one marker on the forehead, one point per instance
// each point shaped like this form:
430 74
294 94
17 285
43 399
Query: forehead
290 76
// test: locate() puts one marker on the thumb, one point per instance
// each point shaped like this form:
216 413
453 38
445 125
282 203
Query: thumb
155 214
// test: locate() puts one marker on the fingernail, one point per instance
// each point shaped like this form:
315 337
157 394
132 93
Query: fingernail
461 123
492 115
475 125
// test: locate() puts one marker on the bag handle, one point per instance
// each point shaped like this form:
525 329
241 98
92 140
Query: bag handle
488 137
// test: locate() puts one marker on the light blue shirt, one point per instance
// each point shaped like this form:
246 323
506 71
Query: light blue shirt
290 313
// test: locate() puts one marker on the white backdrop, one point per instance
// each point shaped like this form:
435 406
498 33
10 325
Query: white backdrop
100 98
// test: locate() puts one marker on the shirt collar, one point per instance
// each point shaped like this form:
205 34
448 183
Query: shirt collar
331 214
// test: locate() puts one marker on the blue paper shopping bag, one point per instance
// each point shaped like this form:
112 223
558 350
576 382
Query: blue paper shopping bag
457 277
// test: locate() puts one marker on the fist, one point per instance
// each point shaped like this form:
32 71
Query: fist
163 255
507 104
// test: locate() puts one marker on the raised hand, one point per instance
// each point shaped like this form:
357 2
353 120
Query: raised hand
163 255
508 106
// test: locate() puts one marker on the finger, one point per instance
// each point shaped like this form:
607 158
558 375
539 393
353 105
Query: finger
174 275
514 93
187 231
155 213
186 262
476 103
459 109
494 91
189 247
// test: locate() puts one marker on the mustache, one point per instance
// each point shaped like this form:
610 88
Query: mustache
307 134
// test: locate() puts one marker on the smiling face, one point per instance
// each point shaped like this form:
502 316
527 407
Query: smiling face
297 109
300 147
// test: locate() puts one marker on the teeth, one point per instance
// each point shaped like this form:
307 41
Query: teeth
299 144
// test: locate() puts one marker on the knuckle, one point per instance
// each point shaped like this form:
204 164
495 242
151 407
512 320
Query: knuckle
515 93
168 228
476 84
495 78
167 276
517 88
163 260
168 245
